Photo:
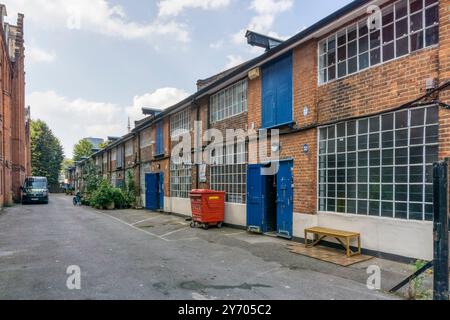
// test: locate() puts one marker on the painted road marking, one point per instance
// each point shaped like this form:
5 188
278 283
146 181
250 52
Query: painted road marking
145 231
173 232
234 234
145 220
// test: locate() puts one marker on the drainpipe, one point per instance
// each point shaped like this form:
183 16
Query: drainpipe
195 103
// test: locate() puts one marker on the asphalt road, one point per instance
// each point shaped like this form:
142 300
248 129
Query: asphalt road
144 255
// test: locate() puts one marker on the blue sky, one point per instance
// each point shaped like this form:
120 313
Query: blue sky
91 64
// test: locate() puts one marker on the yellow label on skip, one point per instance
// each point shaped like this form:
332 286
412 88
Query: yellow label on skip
214 198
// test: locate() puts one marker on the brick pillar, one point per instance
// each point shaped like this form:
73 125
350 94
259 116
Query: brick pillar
444 76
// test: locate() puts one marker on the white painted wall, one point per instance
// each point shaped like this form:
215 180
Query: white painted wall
167 204
413 239
181 206
236 214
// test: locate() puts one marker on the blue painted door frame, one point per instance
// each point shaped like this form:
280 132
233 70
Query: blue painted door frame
267 211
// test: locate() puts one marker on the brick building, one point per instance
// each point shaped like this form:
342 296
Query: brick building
360 111
15 154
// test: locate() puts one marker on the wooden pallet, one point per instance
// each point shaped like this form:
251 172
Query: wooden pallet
327 254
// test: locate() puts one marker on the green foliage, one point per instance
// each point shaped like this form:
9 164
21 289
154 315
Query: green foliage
103 196
83 149
120 201
417 291
91 177
104 144
47 153
130 189
106 196
66 164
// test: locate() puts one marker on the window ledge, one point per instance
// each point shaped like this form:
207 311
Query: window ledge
379 218
289 124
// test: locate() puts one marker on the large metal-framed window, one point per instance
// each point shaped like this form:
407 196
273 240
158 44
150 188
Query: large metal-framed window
129 148
229 102
146 138
180 180
380 166
406 26
180 121
229 172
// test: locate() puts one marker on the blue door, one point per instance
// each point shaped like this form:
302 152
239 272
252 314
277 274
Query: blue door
151 191
255 195
277 93
161 190
285 199
261 212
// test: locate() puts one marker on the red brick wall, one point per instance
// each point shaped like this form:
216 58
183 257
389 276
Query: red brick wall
254 99
19 141
379 88
444 76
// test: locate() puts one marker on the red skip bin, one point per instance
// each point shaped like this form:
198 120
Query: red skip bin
208 208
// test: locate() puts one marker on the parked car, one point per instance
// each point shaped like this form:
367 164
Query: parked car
35 190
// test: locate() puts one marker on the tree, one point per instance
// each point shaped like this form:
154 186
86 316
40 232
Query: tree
104 144
47 153
66 164
83 149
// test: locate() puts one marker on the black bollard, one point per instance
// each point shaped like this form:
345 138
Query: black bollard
441 217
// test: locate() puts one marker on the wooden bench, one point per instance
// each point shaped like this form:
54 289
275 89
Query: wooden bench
343 237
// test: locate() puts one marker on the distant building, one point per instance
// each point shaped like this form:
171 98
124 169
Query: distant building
96 142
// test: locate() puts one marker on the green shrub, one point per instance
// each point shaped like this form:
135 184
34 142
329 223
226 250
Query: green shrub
129 190
119 199
106 195
103 196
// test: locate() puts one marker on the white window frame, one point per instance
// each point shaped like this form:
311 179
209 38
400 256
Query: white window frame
180 121
146 138
328 146
229 102
231 176
129 148
180 180
324 51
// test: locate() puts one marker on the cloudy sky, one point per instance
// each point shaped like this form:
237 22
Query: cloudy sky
91 64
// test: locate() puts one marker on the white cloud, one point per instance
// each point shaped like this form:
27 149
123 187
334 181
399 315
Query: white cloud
159 99
233 61
35 54
175 7
266 13
74 119
217 45
97 16
271 6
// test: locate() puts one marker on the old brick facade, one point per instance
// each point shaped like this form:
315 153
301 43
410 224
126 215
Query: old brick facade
365 95
14 117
